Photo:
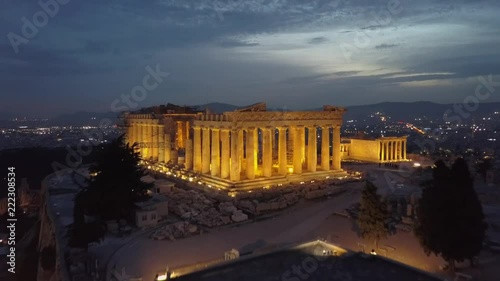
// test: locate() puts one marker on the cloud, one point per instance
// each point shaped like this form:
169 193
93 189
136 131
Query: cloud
386 46
270 49
318 40
321 77
231 43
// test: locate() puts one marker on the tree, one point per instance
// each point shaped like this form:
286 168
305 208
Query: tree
450 221
115 184
469 211
48 258
483 167
81 233
372 215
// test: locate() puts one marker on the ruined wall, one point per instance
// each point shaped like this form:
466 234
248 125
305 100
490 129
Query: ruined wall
48 239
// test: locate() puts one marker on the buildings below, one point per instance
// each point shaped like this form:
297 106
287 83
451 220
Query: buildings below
316 260
150 212
56 136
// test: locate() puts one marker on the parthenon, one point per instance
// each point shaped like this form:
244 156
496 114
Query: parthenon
245 148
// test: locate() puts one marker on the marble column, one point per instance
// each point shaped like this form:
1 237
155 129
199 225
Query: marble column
388 144
136 133
197 149
381 144
168 148
144 141
224 136
386 151
394 147
379 155
392 150
240 144
282 164
236 151
154 142
325 148
298 145
395 150
139 138
161 143
179 140
188 162
382 155
149 141
215 165
188 128
398 153
404 149
336 148
267 149
251 152
312 153
205 151
383 150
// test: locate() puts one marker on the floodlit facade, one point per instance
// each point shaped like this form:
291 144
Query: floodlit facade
381 150
243 149
252 147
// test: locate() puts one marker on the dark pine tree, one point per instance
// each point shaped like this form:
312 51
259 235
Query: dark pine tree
447 213
472 225
372 215
115 184
483 167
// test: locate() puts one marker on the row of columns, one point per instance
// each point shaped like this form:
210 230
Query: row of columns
219 151
392 150
154 144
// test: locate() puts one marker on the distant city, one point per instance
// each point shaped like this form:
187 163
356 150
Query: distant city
479 133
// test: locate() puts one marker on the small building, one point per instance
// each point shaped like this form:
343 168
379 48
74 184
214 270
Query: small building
163 186
150 212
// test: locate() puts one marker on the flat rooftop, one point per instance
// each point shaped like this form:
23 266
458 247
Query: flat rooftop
309 262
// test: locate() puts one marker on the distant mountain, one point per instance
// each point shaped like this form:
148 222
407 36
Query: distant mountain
406 111
398 111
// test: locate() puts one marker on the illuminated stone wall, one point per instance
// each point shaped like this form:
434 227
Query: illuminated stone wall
364 150
381 150
243 145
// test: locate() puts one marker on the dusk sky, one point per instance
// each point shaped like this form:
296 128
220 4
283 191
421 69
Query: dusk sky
294 54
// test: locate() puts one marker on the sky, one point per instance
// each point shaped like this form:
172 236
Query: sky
62 56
